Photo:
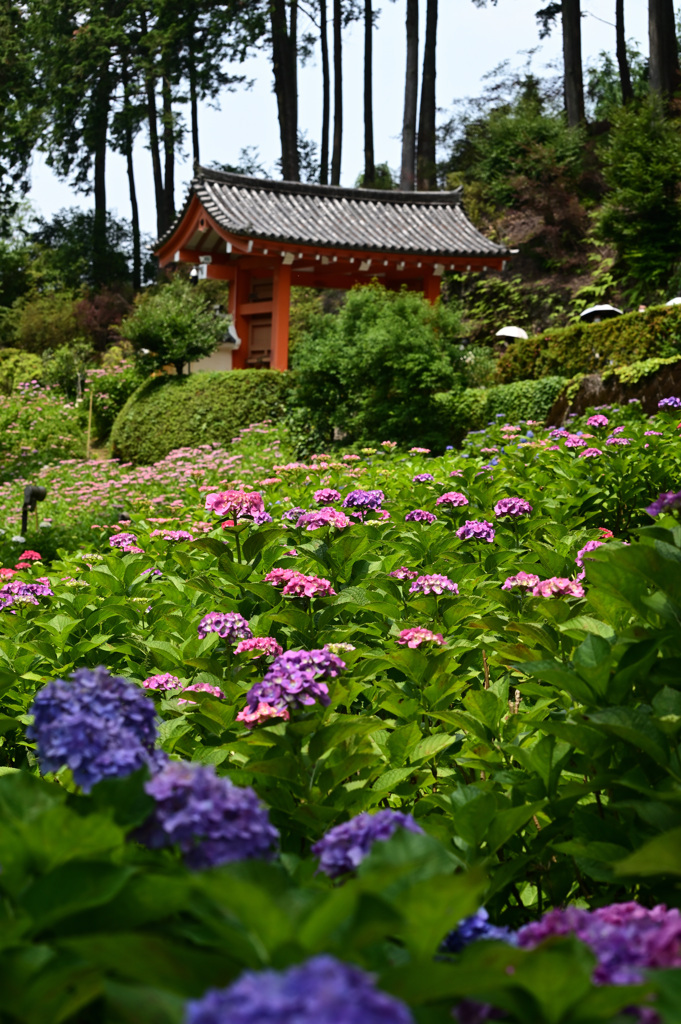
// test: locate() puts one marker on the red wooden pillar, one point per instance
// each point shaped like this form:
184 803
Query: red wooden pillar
432 286
281 302
238 297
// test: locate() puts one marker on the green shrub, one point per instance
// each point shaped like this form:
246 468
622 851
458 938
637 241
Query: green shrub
17 367
170 412
111 387
37 427
42 321
175 324
590 348
65 367
371 370
474 408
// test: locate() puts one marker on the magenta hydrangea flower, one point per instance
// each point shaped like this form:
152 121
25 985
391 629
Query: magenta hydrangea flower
558 586
321 990
590 545
263 713
176 535
296 679
162 682
214 691
433 584
669 403
597 421
403 573
420 515
264 645
618 440
590 453
526 580
667 501
452 498
343 848
512 507
652 433
300 585
231 626
327 496
422 478
418 635
278 577
211 820
122 540
327 516
476 529
235 503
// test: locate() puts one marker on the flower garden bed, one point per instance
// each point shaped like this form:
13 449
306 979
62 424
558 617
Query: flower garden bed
297 724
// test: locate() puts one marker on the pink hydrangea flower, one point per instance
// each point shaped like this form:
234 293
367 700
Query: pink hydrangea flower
558 586
453 498
262 713
235 503
521 579
301 585
6 573
476 529
597 421
433 584
215 691
327 516
653 433
163 682
418 635
590 545
172 534
388 445
30 556
403 573
589 453
419 451
512 507
278 577
617 440
456 472
264 645
326 496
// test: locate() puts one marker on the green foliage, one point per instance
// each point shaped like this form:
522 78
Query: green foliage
111 386
372 369
635 372
590 348
473 408
641 211
603 84
490 302
40 321
65 367
167 412
37 427
17 367
175 324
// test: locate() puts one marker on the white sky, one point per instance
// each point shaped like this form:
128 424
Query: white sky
471 41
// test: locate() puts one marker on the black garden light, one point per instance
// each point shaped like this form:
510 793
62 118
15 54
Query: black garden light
32 495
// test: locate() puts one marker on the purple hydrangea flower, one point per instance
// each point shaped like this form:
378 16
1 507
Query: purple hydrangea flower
422 478
364 499
122 540
512 507
98 725
210 819
474 928
326 516
617 440
296 678
667 501
597 421
590 545
327 496
419 515
345 846
453 498
17 592
434 583
231 626
293 513
669 403
321 990
476 529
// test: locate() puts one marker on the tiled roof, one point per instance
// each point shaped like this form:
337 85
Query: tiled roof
326 216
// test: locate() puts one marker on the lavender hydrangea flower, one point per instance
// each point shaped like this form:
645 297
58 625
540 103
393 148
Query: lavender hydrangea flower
210 819
327 496
364 499
296 679
422 478
293 514
590 453
667 501
669 403
231 626
321 990
474 928
403 573
419 515
17 592
435 583
122 540
345 846
476 529
526 580
326 516
590 545
98 725
512 507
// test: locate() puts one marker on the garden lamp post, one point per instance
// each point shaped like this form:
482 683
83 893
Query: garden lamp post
32 495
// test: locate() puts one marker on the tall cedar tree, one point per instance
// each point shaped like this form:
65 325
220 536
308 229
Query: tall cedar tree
369 162
425 153
411 88
284 28
664 60
19 110
622 60
326 92
337 91
573 78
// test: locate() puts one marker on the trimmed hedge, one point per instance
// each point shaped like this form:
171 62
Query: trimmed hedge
180 412
473 408
591 348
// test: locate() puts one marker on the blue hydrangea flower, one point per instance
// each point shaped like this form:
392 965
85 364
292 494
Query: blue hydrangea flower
321 990
210 819
296 678
98 725
473 928
345 846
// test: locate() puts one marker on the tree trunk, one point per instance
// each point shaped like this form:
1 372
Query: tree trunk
369 162
411 87
128 142
285 66
572 62
169 154
194 107
152 117
101 127
664 62
625 77
337 91
425 154
326 94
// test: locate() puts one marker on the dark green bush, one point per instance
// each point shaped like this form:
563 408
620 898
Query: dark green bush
178 412
474 408
590 348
